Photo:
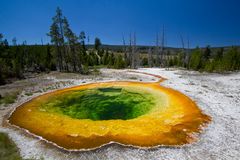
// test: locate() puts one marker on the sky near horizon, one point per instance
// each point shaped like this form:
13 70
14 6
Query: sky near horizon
204 22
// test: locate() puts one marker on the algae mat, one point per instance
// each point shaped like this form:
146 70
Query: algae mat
129 113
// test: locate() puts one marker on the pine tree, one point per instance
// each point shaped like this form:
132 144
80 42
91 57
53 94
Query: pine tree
97 43
119 62
105 58
2 49
57 38
82 38
72 41
111 60
219 54
207 53
195 59
231 59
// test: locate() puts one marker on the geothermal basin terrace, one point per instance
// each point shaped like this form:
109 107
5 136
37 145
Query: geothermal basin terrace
139 114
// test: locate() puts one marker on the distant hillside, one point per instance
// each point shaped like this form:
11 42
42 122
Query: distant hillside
144 49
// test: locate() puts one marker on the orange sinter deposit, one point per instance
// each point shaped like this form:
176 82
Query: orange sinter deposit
130 113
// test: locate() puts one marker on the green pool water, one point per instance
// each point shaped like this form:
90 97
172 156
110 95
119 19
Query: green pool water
101 104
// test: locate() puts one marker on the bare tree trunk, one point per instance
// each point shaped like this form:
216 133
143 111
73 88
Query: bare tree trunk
136 53
188 53
125 51
135 56
157 51
133 52
162 58
130 51
183 51
182 41
150 57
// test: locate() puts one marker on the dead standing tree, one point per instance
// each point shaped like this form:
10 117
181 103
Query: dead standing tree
125 51
131 52
162 52
182 42
135 54
160 49
150 58
156 51
188 53
185 52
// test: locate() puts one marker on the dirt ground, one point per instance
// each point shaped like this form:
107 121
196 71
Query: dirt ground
216 94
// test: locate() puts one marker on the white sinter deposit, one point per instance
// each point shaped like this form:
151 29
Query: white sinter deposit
216 94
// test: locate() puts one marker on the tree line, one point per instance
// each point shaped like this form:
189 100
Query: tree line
68 52
71 52
209 60
19 59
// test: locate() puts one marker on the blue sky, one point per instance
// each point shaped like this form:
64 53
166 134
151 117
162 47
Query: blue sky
204 22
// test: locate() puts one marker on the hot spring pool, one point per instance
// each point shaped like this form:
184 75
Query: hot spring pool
102 103
130 113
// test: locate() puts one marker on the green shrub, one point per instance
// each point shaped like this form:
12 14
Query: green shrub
9 98
85 69
8 149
